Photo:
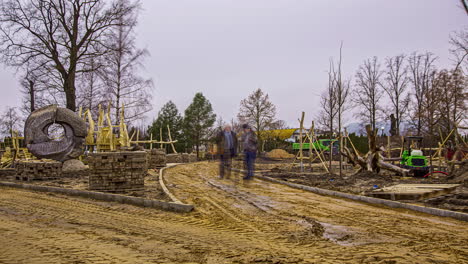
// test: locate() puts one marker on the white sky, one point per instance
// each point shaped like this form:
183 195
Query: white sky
226 49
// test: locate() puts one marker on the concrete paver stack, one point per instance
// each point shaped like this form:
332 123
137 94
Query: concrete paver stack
117 172
38 170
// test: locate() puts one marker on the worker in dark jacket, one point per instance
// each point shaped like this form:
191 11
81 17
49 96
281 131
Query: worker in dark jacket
227 149
249 145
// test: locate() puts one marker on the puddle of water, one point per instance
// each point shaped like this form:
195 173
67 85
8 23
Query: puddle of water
338 234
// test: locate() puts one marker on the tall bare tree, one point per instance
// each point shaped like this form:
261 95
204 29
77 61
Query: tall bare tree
91 93
39 87
368 91
421 68
328 104
258 111
459 49
431 100
342 91
61 33
395 85
9 121
451 103
124 85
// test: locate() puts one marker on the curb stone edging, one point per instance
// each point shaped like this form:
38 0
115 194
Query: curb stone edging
164 187
138 201
366 199
372 200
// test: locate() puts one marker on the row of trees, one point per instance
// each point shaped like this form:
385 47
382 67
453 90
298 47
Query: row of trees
404 89
76 53
199 124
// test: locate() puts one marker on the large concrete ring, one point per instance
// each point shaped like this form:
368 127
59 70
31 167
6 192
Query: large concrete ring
41 145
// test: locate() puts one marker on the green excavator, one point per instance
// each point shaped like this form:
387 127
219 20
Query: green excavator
412 157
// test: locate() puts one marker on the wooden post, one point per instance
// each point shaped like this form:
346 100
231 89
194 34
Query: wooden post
310 144
316 150
160 137
443 143
301 156
340 136
389 152
170 139
151 138
402 145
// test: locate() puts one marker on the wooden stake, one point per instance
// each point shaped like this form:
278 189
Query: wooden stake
151 138
301 156
170 139
389 153
160 137
318 153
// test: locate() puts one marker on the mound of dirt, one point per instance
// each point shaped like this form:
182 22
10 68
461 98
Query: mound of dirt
73 165
279 154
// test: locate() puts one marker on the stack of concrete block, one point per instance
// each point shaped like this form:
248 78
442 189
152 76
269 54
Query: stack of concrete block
117 172
174 158
181 158
187 158
37 170
156 158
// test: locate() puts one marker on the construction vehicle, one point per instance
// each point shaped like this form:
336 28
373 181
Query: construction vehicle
412 157
322 145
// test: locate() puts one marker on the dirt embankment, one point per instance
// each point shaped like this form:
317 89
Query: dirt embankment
234 222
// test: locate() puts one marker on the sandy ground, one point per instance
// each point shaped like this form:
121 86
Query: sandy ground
234 222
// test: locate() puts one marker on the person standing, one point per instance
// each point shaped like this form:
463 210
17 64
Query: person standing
227 147
249 145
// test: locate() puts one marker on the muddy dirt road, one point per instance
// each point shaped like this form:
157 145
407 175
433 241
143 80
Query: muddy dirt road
234 222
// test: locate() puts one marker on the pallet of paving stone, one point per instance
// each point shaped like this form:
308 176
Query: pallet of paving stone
156 158
414 192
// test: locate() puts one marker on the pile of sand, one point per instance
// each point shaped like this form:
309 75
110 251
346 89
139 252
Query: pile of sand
279 154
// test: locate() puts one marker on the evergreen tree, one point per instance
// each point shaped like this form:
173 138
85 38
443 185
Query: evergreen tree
199 118
168 116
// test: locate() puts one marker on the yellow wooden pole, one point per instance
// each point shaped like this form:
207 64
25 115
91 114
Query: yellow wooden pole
160 137
151 138
170 139
301 156
318 153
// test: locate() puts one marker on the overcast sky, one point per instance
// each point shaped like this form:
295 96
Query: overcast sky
227 49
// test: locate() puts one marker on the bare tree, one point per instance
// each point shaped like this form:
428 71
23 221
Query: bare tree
9 121
431 101
342 90
39 87
124 85
396 81
421 68
459 49
451 105
258 111
61 33
368 91
91 93
328 103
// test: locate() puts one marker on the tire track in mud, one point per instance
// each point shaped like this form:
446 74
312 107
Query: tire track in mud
376 224
232 222
171 228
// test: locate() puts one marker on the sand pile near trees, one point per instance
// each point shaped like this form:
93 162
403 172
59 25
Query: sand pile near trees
279 154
